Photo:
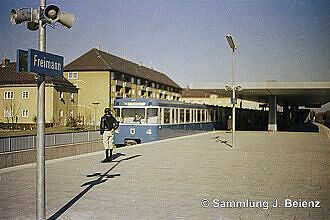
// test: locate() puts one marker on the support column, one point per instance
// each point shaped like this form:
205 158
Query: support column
272 125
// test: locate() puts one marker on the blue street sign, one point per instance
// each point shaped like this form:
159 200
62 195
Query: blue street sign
39 62
45 63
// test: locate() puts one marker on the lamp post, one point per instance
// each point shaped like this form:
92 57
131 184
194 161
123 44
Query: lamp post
233 46
233 88
95 106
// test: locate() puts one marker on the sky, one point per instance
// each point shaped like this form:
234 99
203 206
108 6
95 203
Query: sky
283 40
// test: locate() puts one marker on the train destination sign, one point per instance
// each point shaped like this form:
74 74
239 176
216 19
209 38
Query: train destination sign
39 62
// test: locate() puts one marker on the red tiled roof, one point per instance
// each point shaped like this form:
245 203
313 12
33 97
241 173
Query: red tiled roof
99 60
195 93
9 76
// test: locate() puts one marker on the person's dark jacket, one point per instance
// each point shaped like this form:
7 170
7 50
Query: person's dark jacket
108 122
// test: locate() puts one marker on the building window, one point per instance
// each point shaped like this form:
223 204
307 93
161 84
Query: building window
133 91
113 88
132 80
139 81
7 113
139 93
25 95
25 113
9 95
61 113
73 75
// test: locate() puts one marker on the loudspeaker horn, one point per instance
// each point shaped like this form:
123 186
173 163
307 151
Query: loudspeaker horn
32 26
18 17
52 13
67 19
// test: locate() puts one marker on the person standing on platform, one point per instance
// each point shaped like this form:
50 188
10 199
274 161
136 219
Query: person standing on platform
107 127
229 123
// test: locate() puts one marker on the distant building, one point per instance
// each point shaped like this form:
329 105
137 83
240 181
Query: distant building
102 78
203 97
19 92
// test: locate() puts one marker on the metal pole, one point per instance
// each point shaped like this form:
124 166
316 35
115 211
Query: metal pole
41 199
95 117
233 121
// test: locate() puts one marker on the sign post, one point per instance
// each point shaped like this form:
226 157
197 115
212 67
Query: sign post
43 64
41 180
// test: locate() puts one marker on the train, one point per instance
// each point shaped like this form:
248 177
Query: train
143 120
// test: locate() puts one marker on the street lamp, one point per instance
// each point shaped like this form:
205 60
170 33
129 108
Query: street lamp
95 106
233 88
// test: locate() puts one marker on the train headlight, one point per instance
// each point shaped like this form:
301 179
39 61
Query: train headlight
149 131
117 131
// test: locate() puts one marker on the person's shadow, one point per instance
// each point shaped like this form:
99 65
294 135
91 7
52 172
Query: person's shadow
102 178
217 139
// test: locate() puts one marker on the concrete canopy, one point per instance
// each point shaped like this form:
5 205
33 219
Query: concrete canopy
309 94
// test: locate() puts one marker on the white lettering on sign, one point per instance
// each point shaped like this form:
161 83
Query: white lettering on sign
47 64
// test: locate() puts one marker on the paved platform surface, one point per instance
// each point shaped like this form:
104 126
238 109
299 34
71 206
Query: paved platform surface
173 179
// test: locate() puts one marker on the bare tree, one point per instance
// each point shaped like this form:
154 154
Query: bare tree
12 109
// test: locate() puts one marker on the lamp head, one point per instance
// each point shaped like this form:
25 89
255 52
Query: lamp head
228 88
230 42
238 88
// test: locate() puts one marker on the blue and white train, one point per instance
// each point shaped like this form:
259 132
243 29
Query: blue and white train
144 120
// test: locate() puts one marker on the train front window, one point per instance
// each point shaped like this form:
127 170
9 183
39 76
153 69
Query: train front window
133 115
152 116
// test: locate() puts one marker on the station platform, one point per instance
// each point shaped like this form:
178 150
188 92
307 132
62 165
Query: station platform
283 175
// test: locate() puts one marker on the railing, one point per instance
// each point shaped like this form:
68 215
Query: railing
14 143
